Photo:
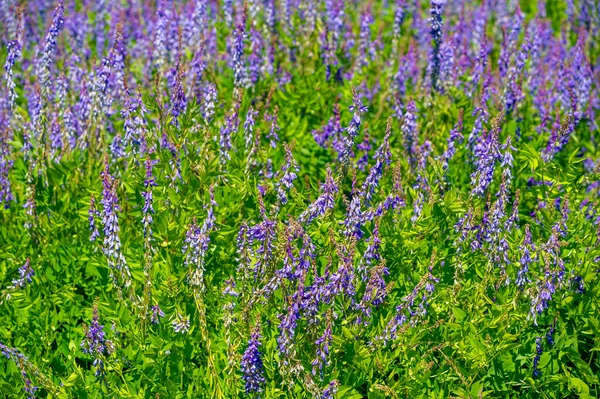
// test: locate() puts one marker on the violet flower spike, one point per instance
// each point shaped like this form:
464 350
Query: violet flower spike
252 365
324 202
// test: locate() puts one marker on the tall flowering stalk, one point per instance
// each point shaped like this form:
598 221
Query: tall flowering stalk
240 74
323 344
6 163
251 366
436 22
25 368
409 131
13 48
196 245
229 319
112 243
147 219
353 128
324 202
50 47
94 343
456 137
178 98
487 152
228 130
528 256
288 175
408 311
383 158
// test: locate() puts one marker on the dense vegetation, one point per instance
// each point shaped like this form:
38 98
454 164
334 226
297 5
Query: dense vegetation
289 198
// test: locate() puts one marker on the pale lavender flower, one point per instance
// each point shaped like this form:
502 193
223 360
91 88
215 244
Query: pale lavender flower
209 102
195 247
6 194
110 221
288 176
174 162
249 127
272 134
148 209
181 323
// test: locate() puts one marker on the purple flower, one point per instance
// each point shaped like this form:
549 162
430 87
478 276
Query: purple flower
288 175
323 344
249 127
353 127
559 138
147 209
332 130
526 249
407 311
539 349
409 131
265 234
6 194
174 162
13 53
178 98
50 46
325 201
383 158
157 313
330 391
435 31
252 365
195 248
375 292
287 328
272 135
486 154
240 75
26 274
229 129
209 102
93 213
366 50
399 15
110 221
454 138
23 364
160 50
94 342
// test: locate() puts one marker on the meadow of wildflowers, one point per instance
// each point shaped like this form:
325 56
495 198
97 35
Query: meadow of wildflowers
299 199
